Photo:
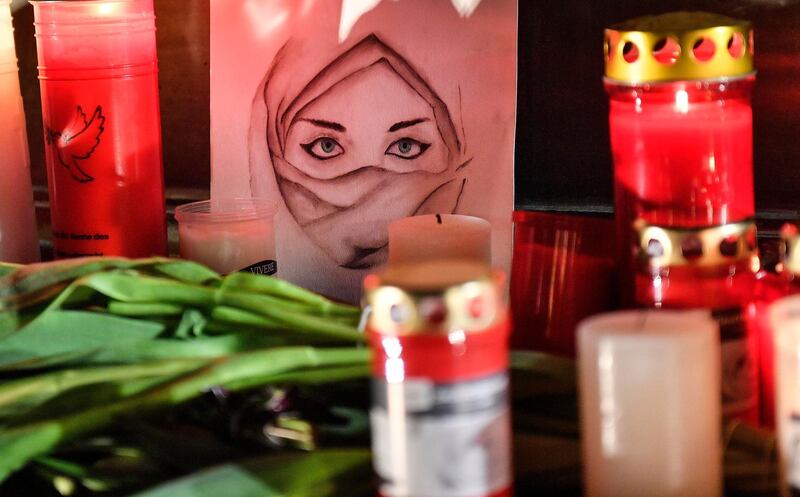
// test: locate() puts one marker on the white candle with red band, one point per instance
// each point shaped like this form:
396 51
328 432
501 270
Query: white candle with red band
440 414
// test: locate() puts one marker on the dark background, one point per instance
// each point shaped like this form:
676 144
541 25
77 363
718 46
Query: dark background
562 153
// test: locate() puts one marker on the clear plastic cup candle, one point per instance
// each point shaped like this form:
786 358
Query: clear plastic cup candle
229 235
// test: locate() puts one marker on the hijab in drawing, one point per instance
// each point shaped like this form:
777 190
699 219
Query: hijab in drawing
364 141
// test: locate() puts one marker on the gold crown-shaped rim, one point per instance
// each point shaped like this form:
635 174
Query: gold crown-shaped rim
679 46
469 306
701 247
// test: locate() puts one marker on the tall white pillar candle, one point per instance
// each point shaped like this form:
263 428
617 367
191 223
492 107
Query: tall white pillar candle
18 237
785 321
440 236
650 410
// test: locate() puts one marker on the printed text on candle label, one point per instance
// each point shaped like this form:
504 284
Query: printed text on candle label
266 268
79 237
448 440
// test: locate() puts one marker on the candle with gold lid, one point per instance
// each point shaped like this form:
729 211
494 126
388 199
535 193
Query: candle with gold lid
19 241
440 414
680 121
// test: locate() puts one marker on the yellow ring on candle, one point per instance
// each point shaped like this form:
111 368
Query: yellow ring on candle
632 52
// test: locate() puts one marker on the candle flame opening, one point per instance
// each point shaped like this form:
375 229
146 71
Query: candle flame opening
682 101
105 9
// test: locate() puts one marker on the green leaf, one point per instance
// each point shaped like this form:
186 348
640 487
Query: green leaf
167 348
6 268
240 371
260 305
132 288
19 396
192 324
332 473
36 283
59 333
144 309
20 446
186 271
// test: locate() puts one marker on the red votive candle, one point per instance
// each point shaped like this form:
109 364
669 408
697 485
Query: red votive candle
771 286
563 272
99 82
440 414
681 134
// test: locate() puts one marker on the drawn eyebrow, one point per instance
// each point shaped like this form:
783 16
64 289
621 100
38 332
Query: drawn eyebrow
325 124
407 124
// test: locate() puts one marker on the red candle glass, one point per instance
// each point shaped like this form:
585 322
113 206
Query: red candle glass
681 134
563 271
440 414
99 83
771 286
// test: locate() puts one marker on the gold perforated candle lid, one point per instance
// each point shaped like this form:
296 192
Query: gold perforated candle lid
434 297
679 46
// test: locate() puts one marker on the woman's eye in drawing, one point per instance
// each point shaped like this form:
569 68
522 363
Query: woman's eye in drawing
407 148
323 148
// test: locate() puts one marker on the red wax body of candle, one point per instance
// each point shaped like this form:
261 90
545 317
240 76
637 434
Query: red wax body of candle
683 159
563 271
726 290
683 154
99 85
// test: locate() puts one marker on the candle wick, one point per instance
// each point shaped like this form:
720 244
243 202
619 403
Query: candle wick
439 218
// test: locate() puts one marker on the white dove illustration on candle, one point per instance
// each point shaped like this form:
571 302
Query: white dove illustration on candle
78 141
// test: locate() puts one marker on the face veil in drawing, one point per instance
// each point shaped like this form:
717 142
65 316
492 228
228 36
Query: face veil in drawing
364 142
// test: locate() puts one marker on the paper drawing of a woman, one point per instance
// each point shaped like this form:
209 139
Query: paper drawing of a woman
363 142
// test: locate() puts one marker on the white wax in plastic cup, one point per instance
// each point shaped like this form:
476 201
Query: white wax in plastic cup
234 235
784 318
650 411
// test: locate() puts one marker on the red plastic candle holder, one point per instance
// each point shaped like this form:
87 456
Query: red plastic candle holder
99 82
563 271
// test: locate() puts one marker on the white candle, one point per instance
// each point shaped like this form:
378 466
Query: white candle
650 409
236 235
18 237
785 322
440 236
